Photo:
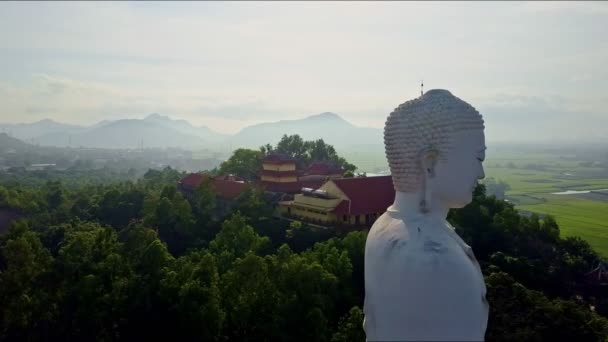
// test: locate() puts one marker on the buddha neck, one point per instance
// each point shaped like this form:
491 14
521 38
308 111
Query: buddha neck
408 204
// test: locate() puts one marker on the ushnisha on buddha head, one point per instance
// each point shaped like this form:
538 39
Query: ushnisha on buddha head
435 146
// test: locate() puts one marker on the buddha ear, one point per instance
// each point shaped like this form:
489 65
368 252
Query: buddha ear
428 161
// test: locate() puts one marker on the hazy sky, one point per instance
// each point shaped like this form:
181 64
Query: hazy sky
534 70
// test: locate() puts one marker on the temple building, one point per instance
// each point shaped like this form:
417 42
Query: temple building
317 194
355 201
279 168
598 276
227 187
280 174
321 171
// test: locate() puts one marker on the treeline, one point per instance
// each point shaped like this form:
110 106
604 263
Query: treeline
70 178
246 163
139 260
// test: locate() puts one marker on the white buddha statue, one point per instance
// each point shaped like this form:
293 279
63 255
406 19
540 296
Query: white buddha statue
422 281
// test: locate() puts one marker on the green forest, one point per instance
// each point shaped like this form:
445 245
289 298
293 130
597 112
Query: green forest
121 257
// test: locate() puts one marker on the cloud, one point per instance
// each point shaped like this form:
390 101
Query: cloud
227 65
535 119
565 7
47 96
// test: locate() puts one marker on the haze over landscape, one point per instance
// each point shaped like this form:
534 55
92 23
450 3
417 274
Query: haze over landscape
156 130
534 70
211 170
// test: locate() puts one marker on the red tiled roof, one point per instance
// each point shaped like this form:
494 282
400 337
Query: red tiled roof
228 189
367 194
291 187
223 186
318 178
598 275
341 208
193 180
278 158
231 178
323 168
274 173
313 183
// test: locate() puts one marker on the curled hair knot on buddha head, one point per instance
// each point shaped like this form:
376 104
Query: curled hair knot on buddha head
422 128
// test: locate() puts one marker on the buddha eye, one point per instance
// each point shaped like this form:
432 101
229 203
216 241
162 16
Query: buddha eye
480 159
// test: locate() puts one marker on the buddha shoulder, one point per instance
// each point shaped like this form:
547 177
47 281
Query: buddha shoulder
393 235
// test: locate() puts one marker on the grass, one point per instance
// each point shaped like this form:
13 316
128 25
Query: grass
531 190
520 200
524 182
577 217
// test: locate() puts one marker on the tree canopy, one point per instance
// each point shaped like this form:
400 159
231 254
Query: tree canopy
137 260
247 163
306 152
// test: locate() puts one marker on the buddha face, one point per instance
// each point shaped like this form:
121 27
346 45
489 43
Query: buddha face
456 176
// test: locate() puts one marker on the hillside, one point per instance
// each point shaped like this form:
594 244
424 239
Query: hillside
7 142
327 126
157 130
153 131
185 127
31 131
130 133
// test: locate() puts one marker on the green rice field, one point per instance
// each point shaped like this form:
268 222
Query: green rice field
531 190
577 216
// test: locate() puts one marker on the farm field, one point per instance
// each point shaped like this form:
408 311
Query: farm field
577 217
534 178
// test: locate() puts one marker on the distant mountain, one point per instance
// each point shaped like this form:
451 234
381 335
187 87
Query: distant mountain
330 127
9 143
132 133
157 130
185 127
127 133
153 131
29 131
101 123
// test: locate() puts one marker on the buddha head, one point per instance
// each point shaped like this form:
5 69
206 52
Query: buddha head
435 146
